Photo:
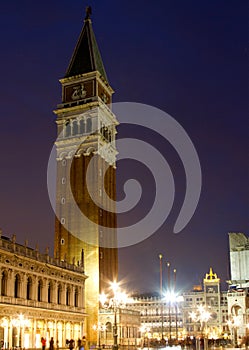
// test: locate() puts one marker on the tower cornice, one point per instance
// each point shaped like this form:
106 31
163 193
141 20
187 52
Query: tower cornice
85 76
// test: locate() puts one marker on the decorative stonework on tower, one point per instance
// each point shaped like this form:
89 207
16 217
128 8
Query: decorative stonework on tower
85 228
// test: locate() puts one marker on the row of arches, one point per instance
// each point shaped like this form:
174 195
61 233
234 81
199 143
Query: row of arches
76 127
41 290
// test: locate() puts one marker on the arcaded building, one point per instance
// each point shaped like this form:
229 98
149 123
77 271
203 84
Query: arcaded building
39 297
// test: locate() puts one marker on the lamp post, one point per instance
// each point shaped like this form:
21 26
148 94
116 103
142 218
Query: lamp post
176 309
172 297
99 328
118 300
161 291
202 316
169 300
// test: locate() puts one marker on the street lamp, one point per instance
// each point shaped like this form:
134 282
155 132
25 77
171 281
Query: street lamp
161 291
172 298
202 315
169 299
99 328
118 300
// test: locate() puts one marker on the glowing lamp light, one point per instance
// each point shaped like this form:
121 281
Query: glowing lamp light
119 300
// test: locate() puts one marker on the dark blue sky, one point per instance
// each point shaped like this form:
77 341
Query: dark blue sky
188 58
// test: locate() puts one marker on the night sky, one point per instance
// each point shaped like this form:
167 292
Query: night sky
188 58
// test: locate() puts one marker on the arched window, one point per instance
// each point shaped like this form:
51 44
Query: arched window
39 291
75 127
49 292
4 283
88 125
17 286
108 327
67 129
82 126
29 288
59 292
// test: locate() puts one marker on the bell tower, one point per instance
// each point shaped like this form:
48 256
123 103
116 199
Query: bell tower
85 226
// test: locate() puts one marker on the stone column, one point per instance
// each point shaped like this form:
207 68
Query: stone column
45 289
55 293
71 298
10 283
34 291
21 329
33 334
10 345
63 294
63 334
81 299
6 334
23 285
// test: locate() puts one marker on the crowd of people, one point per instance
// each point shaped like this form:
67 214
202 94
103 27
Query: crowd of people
82 344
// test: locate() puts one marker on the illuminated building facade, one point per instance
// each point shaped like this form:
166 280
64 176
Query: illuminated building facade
157 317
212 300
238 294
128 327
86 175
171 318
39 297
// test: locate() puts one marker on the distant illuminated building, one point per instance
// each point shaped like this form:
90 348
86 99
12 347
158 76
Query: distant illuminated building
214 301
173 318
238 294
157 316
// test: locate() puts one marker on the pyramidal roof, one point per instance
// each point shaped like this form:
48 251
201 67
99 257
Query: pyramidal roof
86 56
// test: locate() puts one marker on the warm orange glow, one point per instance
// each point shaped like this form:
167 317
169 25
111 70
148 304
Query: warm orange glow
114 286
103 298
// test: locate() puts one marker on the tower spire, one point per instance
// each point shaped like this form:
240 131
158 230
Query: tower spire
88 12
86 57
